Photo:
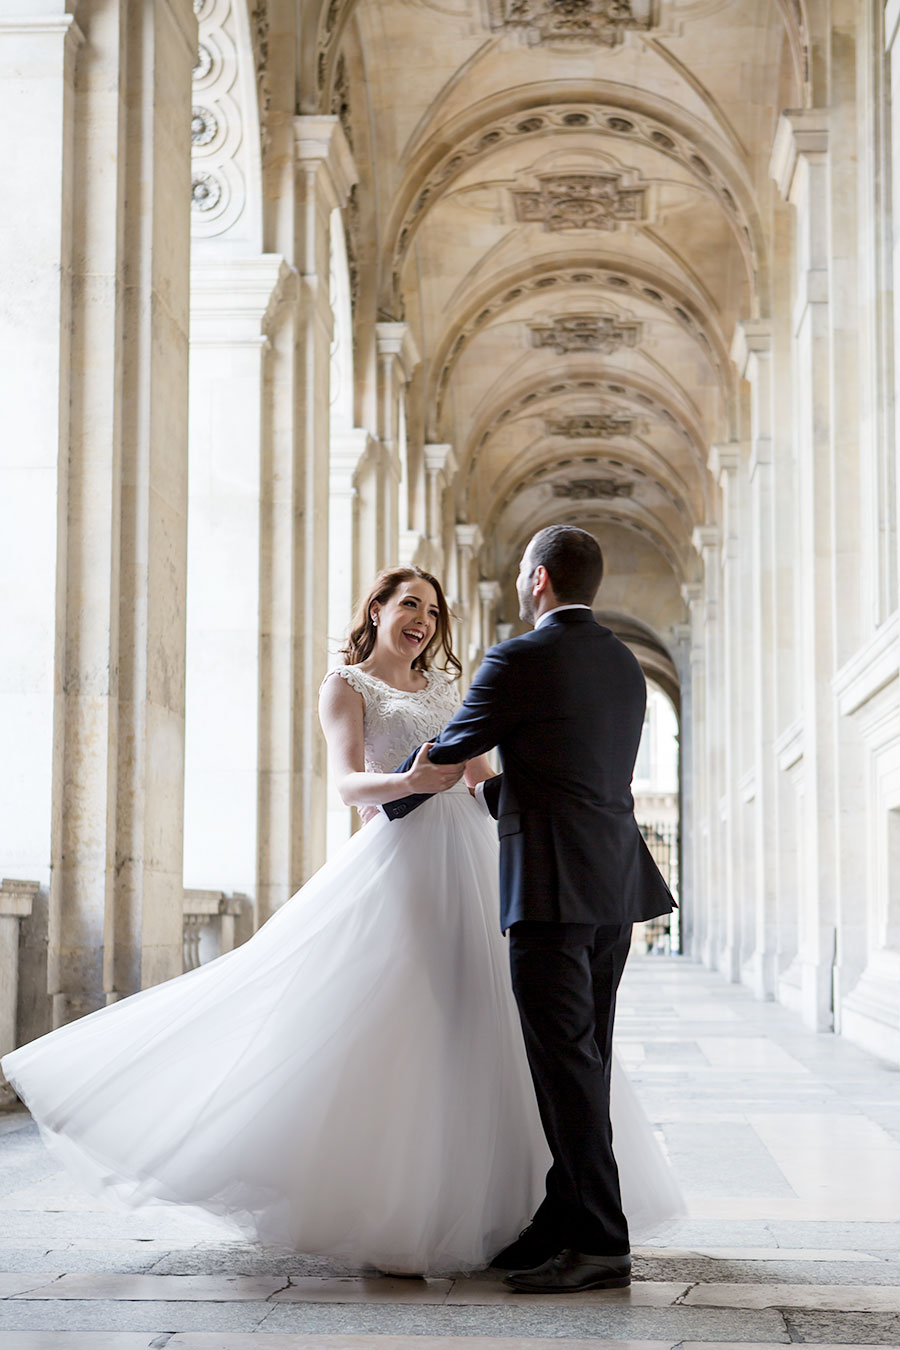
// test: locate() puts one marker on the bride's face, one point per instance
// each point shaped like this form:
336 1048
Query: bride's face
408 621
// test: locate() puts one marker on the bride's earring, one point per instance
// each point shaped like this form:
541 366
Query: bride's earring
374 620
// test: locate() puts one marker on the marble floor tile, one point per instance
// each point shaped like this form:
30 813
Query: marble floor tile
379 1289
820 1298
12 1284
79 1340
263 1341
477 1292
161 1288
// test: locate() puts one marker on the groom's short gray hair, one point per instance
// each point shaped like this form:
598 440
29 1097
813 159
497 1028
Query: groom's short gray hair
573 560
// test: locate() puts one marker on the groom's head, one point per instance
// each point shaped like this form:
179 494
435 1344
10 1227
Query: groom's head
562 565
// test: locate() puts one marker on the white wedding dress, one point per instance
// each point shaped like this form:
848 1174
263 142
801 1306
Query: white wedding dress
352 1080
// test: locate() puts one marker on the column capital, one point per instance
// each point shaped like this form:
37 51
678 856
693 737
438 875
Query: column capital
233 301
468 536
752 337
396 339
724 460
349 451
440 459
692 591
320 143
705 537
802 133
489 592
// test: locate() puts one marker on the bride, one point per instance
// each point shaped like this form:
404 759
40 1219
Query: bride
352 1081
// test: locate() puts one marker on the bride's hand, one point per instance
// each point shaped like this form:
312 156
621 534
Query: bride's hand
427 777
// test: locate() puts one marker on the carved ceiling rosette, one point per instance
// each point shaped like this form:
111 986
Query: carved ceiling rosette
580 201
604 333
592 22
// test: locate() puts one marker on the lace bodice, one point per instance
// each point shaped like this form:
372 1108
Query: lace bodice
396 722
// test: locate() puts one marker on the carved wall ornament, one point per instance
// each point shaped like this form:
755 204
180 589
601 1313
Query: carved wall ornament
593 22
592 489
204 125
206 191
593 426
585 333
580 201
259 17
203 62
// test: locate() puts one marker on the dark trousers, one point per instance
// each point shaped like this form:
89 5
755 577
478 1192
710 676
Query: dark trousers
565 977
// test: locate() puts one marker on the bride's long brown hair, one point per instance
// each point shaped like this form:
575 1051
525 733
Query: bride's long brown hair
361 642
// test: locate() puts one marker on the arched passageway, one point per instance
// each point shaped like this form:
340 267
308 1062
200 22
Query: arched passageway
396 279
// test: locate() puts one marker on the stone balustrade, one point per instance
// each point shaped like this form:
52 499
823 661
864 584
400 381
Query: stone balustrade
16 902
210 910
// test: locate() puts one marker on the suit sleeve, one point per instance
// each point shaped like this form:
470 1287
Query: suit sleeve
487 713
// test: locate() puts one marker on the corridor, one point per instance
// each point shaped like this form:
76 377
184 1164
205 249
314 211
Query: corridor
787 1145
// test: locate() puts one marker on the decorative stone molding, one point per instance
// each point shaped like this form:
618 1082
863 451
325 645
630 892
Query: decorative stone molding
456 153
221 160
396 339
604 333
468 538
724 460
788 747
581 201
593 426
234 300
589 22
592 489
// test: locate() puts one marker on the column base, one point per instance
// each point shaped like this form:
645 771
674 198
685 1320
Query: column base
870 1014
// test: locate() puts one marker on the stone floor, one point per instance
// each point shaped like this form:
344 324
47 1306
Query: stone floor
787 1145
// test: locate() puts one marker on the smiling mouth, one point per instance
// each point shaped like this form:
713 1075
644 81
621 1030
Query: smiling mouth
413 636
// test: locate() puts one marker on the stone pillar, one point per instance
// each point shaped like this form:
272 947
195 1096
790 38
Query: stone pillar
707 720
350 568
801 170
232 302
96 358
37 74
752 353
692 900
296 519
490 594
440 470
468 542
397 359
724 463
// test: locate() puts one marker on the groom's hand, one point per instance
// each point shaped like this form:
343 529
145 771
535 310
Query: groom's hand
423 776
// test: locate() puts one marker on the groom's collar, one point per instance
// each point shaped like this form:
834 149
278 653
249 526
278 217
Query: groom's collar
549 614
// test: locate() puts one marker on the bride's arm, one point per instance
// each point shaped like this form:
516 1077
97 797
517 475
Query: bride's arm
341 716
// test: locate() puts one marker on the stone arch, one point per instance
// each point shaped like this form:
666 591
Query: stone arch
595 108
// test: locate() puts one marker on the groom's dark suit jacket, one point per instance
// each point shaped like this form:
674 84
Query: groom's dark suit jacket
565 706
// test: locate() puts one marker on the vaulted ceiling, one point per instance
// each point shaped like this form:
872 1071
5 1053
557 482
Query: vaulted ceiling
569 202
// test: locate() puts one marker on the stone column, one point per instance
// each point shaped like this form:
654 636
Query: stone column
468 542
690 670
801 170
490 594
440 470
232 303
397 359
724 464
707 720
296 518
752 353
350 568
38 52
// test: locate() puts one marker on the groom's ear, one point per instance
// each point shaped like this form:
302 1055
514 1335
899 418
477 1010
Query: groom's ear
540 580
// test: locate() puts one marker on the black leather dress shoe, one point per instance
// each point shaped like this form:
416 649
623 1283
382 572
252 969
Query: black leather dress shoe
570 1272
532 1247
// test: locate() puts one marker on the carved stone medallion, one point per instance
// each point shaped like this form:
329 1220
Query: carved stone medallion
580 201
585 333
595 22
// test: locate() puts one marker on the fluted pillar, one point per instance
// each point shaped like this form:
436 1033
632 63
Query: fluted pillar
440 470
397 359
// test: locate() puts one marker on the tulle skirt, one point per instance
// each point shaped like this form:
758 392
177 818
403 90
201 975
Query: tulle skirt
352 1081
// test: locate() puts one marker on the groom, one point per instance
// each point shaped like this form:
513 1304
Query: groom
565 706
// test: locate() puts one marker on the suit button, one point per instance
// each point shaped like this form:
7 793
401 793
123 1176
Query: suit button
402 810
